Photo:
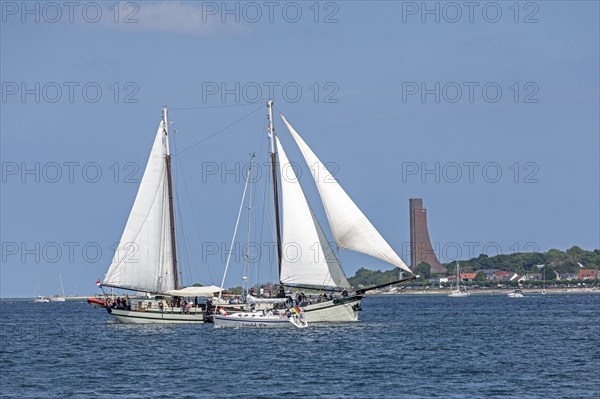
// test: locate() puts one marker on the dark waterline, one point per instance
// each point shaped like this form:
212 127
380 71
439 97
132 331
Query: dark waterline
405 346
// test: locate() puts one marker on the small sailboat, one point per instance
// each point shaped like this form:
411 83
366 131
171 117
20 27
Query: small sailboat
38 298
458 293
41 299
515 294
544 280
146 258
58 298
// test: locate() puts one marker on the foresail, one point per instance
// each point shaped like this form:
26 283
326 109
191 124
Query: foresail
143 259
308 259
350 227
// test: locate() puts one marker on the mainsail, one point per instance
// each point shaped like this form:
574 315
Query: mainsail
143 260
350 227
307 257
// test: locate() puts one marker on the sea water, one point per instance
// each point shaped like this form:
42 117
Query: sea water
405 346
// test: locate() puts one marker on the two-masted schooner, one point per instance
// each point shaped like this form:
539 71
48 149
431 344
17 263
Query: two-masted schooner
314 264
146 258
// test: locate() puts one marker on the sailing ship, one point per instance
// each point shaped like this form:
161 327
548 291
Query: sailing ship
58 298
515 294
544 280
146 258
39 298
315 265
458 292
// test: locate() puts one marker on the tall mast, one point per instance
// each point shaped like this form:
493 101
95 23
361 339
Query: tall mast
171 212
62 287
457 277
275 189
247 260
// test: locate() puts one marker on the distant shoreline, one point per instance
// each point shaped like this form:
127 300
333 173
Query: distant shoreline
68 298
435 291
493 291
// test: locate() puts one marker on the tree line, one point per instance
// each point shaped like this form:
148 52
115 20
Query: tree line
555 262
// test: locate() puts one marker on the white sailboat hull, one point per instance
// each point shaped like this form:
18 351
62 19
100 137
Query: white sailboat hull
254 320
155 316
337 310
458 294
57 299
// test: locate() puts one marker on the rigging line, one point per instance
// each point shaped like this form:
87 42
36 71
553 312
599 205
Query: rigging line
262 223
249 231
267 214
218 131
180 226
196 226
269 211
175 176
188 239
234 234
217 106
250 269
257 262
195 223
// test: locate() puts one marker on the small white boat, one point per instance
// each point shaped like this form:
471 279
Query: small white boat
57 298
41 299
458 293
515 294
258 320
544 280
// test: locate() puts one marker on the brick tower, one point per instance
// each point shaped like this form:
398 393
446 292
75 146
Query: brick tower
420 244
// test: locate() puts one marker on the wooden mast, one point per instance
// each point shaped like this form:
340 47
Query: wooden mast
275 186
171 212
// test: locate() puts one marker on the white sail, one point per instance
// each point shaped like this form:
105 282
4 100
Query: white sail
308 258
350 227
143 259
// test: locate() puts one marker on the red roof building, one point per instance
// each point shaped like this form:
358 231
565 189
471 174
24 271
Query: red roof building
464 277
587 274
502 275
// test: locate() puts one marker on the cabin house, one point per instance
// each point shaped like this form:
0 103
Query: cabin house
587 274
464 277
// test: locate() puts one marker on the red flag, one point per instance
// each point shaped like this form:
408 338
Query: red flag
98 283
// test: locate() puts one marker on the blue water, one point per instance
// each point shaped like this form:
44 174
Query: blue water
404 346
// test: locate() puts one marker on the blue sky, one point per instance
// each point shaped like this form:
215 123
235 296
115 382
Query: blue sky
499 103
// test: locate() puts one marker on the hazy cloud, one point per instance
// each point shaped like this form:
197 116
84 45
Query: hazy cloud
179 17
